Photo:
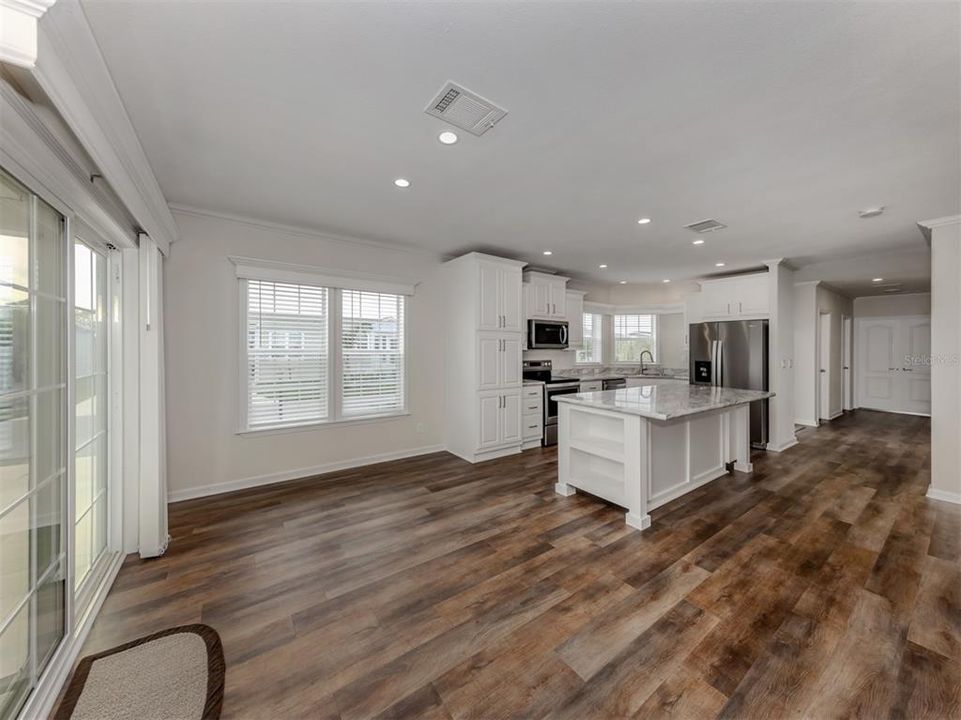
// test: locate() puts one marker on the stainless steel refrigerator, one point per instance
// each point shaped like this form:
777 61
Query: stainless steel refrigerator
733 354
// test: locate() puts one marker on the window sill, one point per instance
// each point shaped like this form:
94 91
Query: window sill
284 429
588 364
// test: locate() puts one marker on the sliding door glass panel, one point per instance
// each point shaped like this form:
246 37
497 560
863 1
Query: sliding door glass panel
32 437
90 460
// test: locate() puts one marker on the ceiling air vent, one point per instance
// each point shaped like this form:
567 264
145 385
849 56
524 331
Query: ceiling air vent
706 226
462 108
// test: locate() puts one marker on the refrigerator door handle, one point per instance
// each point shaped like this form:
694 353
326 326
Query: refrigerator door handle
720 363
714 361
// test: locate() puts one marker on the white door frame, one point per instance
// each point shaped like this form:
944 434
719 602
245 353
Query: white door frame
847 362
824 366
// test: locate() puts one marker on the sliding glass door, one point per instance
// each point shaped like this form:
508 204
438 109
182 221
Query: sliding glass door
90 423
33 432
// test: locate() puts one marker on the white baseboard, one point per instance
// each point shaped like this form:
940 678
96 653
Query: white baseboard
833 416
944 495
806 423
298 474
771 447
40 703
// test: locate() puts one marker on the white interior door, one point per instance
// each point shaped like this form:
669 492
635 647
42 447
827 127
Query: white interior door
892 361
824 369
915 366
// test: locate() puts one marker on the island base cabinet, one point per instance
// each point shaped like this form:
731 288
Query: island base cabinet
641 464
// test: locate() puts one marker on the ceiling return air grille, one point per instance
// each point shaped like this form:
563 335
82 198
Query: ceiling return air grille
706 226
461 108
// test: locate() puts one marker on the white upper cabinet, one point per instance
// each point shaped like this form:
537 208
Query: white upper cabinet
735 298
575 318
545 296
499 297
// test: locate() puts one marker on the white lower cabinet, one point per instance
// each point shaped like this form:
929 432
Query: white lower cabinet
591 386
499 422
532 415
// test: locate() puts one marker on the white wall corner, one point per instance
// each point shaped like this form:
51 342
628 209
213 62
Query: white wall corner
18 30
72 72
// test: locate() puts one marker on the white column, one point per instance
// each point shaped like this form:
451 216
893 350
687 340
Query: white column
740 418
944 235
153 479
781 412
637 467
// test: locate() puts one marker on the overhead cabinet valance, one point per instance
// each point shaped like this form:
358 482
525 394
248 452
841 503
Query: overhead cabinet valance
256 269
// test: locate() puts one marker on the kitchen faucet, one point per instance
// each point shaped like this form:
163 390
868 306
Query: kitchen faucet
650 355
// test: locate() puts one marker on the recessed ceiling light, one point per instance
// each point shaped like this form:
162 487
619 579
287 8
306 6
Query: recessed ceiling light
643 221
878 280
623 282
718 264
447 137
667 280
402 182
699 241
548 252
602 266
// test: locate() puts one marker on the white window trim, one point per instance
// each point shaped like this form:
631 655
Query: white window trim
272 271
280 272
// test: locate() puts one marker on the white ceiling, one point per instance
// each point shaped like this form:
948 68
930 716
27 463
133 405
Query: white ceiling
780 119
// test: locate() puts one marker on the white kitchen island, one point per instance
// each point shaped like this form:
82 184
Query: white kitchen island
641 447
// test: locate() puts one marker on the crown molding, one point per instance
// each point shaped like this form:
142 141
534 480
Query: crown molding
71 71
18 30
299 231
926 226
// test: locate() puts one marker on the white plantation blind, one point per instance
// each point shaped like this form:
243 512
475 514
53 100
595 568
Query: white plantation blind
632 335
590 351
372 353
287 354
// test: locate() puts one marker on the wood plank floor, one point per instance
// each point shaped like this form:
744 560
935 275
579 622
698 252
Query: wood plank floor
821 585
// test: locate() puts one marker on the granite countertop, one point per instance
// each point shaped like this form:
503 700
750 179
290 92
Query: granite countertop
589 378
665 402
618 373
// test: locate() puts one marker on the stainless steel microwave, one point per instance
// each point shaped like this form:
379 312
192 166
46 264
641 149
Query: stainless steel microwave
546 335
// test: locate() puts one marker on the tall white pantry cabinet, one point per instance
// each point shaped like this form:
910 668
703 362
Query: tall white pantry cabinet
485 341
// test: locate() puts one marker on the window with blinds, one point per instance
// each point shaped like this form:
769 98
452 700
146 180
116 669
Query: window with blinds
634 334
316 354
372 353
590 351
287 354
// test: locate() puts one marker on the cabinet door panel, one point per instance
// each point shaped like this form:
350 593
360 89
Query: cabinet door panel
510 361
559 300
488 289
751 297
540 299
715 301
511 299
489 361
511 426
489 422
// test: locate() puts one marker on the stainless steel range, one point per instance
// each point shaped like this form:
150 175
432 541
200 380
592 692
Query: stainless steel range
553 387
